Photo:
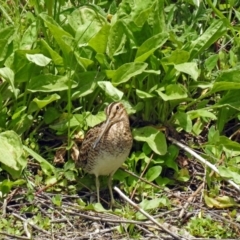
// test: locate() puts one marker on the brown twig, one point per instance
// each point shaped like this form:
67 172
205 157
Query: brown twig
14 236
175 236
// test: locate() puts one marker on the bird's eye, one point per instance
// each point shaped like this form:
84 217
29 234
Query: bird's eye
117 107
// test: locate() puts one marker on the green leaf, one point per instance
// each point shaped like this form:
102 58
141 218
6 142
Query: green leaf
211 62
110 90
149 46
153 173
184 121
125 72
86 22
70 176
8 75
227 80
83 62
50 83
141 10
201 113
63 38
172 92
170 158
229 146
153 137
178 56
219 201
99 41
189 68
6 37
144 95
47 168
48 51
38 104
18 112
38 59
116 39
29 37
11 156
151 205
227 173
93 120
87 83
216 30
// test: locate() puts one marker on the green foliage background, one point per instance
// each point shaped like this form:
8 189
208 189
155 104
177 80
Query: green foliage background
174 63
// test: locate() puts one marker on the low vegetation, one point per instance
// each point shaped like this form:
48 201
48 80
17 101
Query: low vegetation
174 65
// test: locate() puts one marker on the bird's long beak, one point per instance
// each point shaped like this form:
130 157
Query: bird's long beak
106 127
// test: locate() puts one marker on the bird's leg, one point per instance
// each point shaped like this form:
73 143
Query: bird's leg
97 188
110 189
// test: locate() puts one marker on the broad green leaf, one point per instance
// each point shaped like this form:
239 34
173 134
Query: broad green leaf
47 168
189 68
70 175
63 38
125 72
99 41
153 173
149 46
201 113
144 95
227 80
11 149
219 201
158 20
86 22
230 147
211 62
83 62
38 59
87 83
22 68
29 37
6 37
184 121
227 173
141 10
6 185
153 137
110 90
93 120
116 39
152 204
224 86
48 51
178 56
172 92
8 75
41 103
216 30
50 83
38 104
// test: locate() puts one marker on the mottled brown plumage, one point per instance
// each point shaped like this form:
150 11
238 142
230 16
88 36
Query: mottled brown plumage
107 145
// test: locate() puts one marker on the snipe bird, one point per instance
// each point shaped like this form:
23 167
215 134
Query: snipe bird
106 146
